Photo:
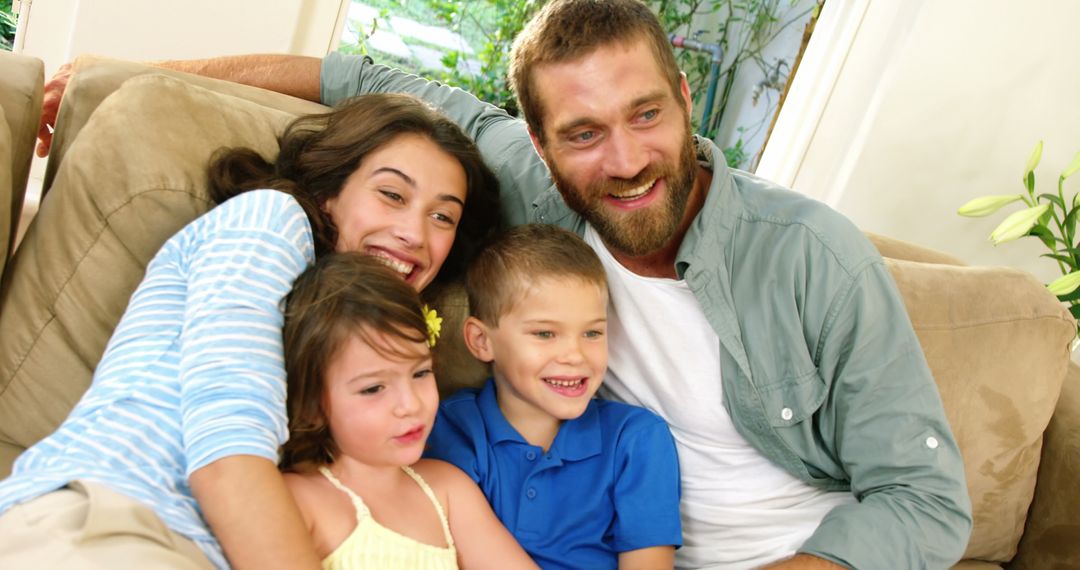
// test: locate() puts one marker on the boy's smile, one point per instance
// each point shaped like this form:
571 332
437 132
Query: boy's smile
549 353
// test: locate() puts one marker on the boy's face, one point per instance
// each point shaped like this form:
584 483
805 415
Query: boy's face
549 352
380 404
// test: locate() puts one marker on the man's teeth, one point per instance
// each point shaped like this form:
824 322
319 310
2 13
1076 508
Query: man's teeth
564 383
634 192
395 264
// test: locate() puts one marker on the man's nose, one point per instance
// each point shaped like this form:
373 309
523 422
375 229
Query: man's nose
626 156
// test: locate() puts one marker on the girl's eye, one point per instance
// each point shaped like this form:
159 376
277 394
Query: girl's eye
544 334
594 334
391 195
422 373
444 219
371 390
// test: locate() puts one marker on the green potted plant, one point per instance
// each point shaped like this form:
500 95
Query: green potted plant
1049 217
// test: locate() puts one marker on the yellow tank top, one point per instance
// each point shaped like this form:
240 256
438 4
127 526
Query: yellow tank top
374 546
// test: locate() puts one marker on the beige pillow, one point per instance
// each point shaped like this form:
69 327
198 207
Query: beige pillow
997 343
131 178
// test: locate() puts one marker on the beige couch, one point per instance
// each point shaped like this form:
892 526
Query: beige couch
127 171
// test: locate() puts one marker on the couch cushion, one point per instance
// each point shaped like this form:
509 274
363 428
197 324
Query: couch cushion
997 343
21 91
7 218
133 176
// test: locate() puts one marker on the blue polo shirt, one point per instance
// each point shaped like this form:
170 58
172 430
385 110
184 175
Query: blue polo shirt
609 483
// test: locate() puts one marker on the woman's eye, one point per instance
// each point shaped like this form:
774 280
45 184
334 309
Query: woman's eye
371 390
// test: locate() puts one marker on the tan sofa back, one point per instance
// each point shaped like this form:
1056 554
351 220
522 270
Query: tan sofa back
21 91
995 339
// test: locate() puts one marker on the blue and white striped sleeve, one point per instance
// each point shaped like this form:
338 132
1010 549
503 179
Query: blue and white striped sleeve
232 370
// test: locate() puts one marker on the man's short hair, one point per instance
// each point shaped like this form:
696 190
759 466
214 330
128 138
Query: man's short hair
565 30
522 257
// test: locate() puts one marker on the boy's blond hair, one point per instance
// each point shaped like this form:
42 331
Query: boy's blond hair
566 30
504 271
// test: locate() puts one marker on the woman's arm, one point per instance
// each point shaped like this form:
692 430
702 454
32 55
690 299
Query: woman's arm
652 558
244 499
481 539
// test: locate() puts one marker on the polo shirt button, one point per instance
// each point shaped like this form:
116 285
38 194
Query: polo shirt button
530 455
786 414
932 442
531 493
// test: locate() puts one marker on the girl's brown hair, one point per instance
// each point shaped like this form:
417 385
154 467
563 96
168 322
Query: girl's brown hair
341 295
319 152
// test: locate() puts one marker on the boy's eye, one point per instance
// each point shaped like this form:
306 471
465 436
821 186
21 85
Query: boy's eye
422 373
371 390
543 334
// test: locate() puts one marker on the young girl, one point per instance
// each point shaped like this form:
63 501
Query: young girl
362 401
173 450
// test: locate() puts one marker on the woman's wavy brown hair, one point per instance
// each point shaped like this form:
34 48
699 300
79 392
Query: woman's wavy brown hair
342 295
319 152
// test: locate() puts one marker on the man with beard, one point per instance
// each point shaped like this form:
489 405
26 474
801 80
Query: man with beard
760 324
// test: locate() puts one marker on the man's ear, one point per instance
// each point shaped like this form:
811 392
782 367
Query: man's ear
684 88
477 339
536 144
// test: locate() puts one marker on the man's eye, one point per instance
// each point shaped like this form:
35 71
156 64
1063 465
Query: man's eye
650 114
584 136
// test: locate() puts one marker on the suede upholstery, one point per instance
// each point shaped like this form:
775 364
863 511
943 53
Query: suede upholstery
132 173
20 105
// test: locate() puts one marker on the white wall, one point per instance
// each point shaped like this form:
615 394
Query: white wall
909 109
60 30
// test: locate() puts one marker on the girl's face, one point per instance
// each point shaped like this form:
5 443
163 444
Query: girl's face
403 206
380 405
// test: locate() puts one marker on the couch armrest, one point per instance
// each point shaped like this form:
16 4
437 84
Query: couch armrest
95 78
898 249
1052 536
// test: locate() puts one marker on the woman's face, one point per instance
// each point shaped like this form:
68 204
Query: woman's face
403 206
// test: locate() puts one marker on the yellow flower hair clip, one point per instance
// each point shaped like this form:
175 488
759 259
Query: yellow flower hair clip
434 325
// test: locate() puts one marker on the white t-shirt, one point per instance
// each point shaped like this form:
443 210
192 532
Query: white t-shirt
739 510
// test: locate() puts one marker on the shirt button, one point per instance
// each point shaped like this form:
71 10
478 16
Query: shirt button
531 493
786 414
530 455
932 442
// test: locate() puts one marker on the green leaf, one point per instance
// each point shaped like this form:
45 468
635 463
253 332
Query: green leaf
1065 284
1055 199
1075 310
987 205
1059 257
1074 296
1018 224
1073 168
1044 234
1033 160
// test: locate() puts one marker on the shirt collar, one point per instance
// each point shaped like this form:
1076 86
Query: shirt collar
577 439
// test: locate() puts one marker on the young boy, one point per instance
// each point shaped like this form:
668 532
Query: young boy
581 483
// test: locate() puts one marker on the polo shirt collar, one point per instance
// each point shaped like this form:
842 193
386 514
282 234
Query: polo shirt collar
577 439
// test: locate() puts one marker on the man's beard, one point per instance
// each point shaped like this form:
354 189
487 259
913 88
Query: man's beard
643 231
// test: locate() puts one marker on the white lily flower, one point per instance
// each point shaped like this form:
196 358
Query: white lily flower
1018 224
987 205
